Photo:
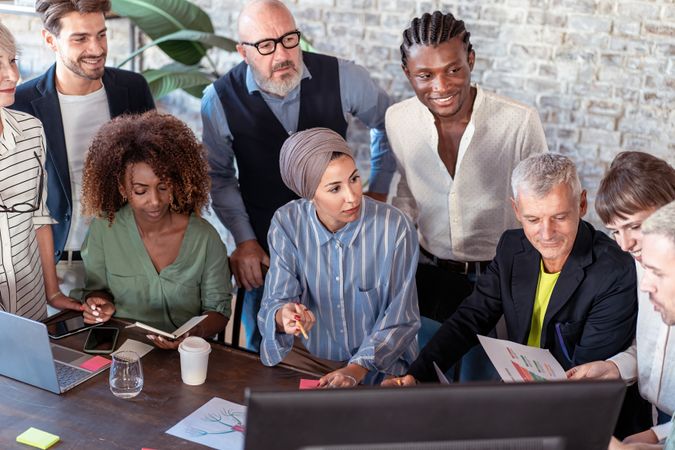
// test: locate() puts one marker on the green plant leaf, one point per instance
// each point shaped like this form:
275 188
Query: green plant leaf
208 39
158 18
306 45
171 77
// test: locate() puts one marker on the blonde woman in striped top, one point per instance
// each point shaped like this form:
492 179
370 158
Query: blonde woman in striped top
25 233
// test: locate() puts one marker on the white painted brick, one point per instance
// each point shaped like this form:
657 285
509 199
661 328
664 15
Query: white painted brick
643 10
599 137
587 22
502 14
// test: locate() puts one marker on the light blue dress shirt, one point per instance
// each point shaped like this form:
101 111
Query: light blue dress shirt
360 97
359 282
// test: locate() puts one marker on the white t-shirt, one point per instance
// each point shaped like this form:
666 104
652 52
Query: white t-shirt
82 117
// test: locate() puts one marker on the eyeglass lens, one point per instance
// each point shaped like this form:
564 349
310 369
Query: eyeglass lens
290 40
26 207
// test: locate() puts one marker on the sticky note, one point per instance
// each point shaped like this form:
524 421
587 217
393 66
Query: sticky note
95 363
308 384
37 438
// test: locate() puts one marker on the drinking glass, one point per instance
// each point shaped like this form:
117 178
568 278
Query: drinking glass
126 374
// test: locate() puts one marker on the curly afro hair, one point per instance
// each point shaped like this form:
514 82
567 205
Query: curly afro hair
163 142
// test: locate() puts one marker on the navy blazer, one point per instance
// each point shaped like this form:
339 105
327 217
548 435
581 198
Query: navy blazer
127 92
591 314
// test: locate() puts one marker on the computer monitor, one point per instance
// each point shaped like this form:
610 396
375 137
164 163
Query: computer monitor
547 415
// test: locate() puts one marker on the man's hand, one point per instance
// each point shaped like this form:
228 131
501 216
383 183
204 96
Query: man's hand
616 444
290 315
246 261
645 437
596 370
377 196
406 380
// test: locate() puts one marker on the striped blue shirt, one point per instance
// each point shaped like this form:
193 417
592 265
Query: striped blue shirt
359 282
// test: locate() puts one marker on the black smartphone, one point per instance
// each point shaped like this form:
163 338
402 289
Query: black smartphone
66 327
101 340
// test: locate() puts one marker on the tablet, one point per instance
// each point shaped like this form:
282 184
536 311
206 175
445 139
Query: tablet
66 327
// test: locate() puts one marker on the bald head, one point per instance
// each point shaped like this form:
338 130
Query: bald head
258 12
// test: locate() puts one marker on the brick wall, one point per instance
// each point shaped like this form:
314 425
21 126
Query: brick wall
600 72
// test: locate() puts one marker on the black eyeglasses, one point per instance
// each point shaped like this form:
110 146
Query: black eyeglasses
25 207
268 46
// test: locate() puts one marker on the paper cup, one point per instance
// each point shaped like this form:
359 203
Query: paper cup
194 360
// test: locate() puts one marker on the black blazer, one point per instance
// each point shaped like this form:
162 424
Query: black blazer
127 92
591 314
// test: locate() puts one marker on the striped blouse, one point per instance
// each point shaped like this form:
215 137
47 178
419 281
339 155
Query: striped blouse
22 157
359 282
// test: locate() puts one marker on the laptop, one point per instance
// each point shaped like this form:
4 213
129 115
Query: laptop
27 355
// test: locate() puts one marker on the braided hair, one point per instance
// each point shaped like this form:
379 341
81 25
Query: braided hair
433 29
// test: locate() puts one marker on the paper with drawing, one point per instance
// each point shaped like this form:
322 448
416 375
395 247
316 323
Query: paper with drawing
217 424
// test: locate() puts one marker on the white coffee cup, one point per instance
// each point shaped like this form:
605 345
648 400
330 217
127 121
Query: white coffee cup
194 360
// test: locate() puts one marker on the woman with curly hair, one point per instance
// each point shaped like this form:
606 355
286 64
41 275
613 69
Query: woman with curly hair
148 255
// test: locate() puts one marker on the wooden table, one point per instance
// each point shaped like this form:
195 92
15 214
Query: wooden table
91 417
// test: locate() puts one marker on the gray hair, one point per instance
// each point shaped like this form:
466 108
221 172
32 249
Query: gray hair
7 42
540 173
662 222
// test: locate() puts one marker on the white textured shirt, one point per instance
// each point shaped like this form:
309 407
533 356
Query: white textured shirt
359 282
462 218
22 157
82 116
651 359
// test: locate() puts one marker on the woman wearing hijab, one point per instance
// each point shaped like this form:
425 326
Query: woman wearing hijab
340 297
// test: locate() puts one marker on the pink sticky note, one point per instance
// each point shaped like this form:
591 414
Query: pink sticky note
95 363
308 384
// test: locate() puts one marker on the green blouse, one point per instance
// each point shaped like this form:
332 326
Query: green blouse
116 261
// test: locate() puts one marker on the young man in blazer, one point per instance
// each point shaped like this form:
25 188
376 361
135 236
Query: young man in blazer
73 99
560 284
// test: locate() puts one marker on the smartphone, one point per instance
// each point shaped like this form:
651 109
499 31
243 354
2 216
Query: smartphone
101 340
66 327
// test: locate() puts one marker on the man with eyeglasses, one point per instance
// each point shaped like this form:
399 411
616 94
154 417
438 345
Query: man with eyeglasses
248 113
73 98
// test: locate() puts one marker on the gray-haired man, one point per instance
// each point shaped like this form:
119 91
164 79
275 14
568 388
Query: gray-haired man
560 284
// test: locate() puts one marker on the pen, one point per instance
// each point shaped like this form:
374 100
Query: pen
302 329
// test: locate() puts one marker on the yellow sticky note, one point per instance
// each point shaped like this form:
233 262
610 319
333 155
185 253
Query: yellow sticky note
37 438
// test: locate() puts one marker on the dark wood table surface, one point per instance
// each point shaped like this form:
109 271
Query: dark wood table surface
89 416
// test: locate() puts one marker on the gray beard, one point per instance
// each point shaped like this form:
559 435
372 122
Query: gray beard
279 88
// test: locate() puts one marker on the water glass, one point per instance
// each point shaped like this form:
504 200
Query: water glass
126 374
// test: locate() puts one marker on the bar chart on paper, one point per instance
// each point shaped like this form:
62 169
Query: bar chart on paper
518 363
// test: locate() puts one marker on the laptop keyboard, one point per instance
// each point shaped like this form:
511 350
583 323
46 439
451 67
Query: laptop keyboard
69 375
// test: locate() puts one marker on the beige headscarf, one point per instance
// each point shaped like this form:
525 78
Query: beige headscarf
304 157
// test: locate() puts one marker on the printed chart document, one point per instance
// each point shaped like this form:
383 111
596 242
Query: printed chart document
517 362
217 424
187 326
441 376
